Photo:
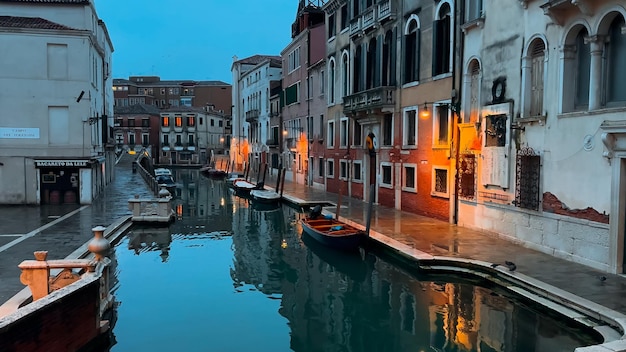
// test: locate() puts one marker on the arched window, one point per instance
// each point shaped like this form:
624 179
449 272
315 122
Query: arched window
536 55
388 60
411 50
372 66
616 59
474 90
583 65
345 74
442 31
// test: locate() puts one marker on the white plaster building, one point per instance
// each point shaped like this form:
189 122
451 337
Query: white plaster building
58 102
543 142
252 77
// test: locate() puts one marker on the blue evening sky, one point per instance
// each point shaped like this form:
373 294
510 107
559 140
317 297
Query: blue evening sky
193 39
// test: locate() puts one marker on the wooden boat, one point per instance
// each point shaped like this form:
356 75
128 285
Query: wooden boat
265 196
332 232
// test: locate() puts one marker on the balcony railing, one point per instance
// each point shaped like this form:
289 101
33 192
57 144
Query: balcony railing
367 19
375 98
252 115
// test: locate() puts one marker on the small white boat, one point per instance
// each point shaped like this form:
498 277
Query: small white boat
244 187
265 196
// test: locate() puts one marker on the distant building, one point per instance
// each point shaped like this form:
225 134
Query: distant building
136 129
166 94
252 80
56 144
192 136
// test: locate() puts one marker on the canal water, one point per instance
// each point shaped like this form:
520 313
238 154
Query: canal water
230 276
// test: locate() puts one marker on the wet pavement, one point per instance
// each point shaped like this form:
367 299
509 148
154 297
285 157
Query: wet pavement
67 227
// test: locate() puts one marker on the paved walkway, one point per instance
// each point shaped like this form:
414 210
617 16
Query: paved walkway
61 229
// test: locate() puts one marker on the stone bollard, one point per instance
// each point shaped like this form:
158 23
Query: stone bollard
163 192
36 274
99 245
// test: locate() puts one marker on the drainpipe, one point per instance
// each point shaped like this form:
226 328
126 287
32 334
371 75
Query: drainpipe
457 65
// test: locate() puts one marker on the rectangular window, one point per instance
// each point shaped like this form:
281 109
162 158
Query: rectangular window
212 124
166 140
119 122
190 139
440 182
409 178
344 17
294 59
131 138
331 26
179 139
145 139
331 135
343 169
178 121
330 173
163 93
292 94
528 167
321 127
321 167
220 123
309 127
322 82
191 121
357 171
343 132
145 122
131 122
386 173
474 10
57 59
409 130
357 134
441 125
388 130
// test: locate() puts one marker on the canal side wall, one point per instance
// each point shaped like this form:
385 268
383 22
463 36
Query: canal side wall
64 320
577 240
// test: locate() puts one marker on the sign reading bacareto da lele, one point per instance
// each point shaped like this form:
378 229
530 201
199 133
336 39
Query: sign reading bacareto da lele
61 163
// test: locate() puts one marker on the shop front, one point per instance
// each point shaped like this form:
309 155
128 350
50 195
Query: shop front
60 180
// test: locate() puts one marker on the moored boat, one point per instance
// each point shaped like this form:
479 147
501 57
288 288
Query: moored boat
244 186
265 196
332 232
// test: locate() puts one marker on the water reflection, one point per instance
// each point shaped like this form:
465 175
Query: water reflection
240 278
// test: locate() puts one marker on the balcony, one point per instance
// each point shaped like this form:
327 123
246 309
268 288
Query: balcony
355 26
252 115
560 10
380 98
367 20
191 146
178 146
385 11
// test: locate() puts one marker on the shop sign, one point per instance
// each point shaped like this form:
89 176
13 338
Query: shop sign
61 163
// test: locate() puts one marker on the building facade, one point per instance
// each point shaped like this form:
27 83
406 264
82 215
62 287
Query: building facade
543 130
192 136
252 81
301 103
136 129
166 94
60 149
